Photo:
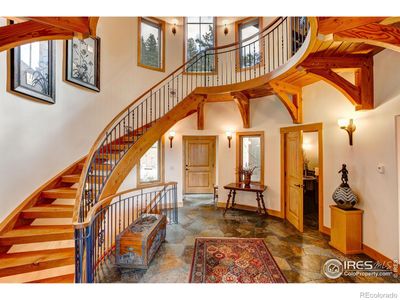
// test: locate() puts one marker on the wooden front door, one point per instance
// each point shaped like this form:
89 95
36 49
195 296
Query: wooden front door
294 178
199 164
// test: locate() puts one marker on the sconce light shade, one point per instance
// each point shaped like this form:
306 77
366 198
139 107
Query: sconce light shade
171 136
343 123
174 21
306 146
348 125
229 137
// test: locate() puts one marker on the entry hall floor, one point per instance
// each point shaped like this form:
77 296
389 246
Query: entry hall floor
299 255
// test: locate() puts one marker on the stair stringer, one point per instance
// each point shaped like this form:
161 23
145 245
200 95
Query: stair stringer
183 109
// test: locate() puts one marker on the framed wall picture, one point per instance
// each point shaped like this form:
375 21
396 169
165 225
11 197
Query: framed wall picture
83 62
32 71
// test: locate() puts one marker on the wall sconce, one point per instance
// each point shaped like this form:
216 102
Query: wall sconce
348 125
225 28
171 136
174 21
229 137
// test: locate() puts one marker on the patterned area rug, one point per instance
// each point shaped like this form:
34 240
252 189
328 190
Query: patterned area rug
233 260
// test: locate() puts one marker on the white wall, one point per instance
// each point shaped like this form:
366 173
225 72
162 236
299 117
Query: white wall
374 142
38 140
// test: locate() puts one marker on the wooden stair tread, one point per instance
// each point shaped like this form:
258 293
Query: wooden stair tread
100 166
24 262
33 234
63 192
48 211
117 147
73 178
67 278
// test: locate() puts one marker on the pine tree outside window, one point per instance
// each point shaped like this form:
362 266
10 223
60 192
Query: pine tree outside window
250 52
151 43
200 35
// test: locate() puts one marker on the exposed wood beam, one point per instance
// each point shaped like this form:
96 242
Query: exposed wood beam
286 87
78 25
364 79
330 25
200 116
219 97
338 63
390 20
295 105
361 93
27 32
385 36
351 91
93 26
243 103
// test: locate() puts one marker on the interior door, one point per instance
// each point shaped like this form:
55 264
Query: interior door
294 178
199 168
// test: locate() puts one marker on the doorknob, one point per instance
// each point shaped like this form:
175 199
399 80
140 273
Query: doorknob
299 185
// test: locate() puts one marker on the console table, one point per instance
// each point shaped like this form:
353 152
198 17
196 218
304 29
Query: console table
258 189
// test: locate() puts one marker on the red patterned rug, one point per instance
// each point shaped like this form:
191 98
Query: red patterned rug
233 260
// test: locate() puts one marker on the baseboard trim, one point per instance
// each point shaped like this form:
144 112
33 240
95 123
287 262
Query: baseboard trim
325 230
371 252
379 257
271 212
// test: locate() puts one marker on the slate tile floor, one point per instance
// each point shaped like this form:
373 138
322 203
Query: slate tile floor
300 256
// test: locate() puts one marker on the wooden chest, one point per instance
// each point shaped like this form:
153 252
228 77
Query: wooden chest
137 245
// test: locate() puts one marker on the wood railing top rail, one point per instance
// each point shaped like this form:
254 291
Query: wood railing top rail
93 211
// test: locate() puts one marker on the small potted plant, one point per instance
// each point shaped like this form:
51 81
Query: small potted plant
246 172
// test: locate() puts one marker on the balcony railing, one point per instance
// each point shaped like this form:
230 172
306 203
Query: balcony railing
225 65
95 238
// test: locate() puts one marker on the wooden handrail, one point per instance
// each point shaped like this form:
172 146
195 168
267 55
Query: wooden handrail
93 211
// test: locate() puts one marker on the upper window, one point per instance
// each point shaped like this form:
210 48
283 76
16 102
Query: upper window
150 165
246 36
199 35
151 46
251 154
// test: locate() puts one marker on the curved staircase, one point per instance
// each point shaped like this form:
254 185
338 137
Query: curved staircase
284 57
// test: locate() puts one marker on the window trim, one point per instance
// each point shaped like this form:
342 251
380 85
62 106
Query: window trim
239 136
215 72
238 24
161 156
161 24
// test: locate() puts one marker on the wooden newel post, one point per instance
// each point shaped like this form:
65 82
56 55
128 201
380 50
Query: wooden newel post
346 230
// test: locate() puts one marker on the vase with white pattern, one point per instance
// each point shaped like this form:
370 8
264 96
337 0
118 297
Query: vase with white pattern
344 197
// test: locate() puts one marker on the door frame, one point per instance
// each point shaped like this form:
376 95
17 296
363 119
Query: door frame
314 127
198 137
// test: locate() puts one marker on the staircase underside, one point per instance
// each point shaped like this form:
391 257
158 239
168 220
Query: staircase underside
36 240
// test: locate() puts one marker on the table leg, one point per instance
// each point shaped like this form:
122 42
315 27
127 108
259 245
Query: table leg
233 199
227 202
263 203
258 203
